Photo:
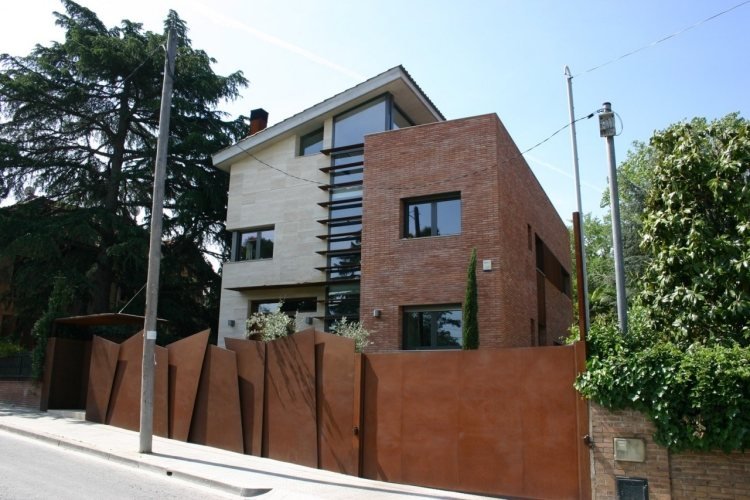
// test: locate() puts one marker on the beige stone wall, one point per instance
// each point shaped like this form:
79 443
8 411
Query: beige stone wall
262 196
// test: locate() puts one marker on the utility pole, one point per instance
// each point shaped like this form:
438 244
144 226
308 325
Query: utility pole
607 130
154 253
574 143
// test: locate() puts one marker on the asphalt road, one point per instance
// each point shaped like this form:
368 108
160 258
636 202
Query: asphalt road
31 469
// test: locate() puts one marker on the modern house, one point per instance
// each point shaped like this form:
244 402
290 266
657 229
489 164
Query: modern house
367 206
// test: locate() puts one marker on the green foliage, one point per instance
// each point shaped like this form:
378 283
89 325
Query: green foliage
697 229
8 348
78 122
470 324
59 301
352 330
698 396
269 326
685 361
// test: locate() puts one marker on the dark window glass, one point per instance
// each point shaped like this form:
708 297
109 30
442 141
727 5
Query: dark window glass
343 193
289 306
343 301
348 157
346 228
351 127
350 243
430 328
345 211
436 217
349 174
311 143
255 244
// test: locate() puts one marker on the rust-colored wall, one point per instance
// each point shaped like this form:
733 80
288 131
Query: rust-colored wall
103 367
217 420
251 360
500 200
124 408
65 377
185 366
501 422
334 380
290 428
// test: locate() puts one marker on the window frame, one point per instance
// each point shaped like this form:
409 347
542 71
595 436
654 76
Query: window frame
435 308
301 147
258 231
433 200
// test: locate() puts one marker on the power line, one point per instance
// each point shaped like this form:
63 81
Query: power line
441 181
664 39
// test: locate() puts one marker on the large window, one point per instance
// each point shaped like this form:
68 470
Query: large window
311 143
437 216
432 327
288 306
254 244
352 127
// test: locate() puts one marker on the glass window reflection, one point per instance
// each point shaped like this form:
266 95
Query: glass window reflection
351 127
432 328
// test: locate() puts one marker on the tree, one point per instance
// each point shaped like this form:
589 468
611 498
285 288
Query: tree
470 326
697 231
685 361
80 119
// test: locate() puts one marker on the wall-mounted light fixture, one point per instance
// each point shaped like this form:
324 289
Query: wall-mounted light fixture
308 320
376 313
231 323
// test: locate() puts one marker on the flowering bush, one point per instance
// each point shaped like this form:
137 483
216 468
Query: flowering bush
352 330
269 326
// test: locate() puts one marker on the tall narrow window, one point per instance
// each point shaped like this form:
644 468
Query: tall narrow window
439 216
254 244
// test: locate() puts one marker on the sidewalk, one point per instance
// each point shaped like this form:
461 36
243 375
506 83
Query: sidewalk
233 473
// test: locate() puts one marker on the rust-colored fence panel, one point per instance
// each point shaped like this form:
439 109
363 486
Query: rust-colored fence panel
103 366
335 401
66 369
217 421
251 362
125 403
185 365
489 421
290 428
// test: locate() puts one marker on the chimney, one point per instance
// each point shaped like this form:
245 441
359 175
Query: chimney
258 120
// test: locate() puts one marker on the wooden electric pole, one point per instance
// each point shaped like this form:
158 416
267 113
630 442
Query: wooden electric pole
154 253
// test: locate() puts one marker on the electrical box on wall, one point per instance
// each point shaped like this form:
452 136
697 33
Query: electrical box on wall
632 488
630 450
487 265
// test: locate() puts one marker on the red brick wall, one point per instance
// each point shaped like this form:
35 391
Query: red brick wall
23 393
499 196
687 475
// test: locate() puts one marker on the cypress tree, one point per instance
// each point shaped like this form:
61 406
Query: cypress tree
470 326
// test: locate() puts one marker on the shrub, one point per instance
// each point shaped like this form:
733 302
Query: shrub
352 330
269 326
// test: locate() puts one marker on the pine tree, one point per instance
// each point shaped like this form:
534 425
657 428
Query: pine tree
470 326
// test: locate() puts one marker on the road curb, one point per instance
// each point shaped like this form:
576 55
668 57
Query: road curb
135 463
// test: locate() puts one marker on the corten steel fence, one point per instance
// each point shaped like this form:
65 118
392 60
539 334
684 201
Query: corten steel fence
495 421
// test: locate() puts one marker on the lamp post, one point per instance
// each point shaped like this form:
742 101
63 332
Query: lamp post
607 130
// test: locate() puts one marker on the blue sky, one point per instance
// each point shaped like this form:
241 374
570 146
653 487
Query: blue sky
471 57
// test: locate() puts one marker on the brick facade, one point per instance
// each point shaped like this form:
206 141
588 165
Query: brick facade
687 475
503 208
21 393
